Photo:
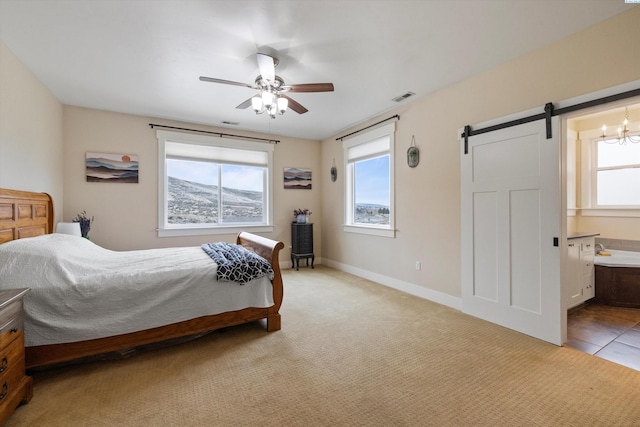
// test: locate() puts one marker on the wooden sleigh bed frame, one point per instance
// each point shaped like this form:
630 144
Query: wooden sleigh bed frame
28 214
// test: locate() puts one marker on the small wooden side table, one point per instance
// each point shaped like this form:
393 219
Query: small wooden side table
301 243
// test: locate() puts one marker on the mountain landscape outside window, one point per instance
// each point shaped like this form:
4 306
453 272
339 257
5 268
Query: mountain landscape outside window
201 192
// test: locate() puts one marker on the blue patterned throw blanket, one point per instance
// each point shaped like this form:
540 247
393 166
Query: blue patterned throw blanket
237 264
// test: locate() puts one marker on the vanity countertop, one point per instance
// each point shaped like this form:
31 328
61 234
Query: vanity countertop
578 234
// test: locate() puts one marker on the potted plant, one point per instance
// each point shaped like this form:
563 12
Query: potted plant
301 215
85 223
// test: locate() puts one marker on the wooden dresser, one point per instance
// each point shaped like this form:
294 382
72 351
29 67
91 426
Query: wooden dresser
15 386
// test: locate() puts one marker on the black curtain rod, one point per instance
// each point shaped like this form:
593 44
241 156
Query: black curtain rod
549 111
375 124
275 141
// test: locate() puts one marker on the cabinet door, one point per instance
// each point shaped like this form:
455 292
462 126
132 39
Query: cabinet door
587 263
588 286
586 259
574 275
588 275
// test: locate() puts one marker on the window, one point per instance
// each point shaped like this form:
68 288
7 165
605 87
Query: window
210 185
369 204
617 174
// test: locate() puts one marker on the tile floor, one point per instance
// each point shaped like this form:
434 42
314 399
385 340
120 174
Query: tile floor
611 333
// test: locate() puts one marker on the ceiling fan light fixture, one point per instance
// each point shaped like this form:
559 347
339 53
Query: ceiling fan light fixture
283 103
267 99
273 110
256 104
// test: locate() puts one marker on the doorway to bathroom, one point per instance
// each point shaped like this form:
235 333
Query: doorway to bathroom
603 177
514 222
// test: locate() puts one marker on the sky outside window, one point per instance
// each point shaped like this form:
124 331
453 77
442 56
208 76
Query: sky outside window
187 170
372 181
235 176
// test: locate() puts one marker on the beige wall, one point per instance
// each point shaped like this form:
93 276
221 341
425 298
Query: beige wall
126 214
428 196
30 131
611 227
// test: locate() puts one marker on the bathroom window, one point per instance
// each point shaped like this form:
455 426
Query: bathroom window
615 175
609 177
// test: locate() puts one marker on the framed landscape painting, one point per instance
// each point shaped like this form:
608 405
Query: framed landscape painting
297 178
120 168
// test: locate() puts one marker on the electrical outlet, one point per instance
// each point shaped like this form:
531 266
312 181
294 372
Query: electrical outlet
418 265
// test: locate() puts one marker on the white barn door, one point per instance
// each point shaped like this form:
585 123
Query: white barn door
510 217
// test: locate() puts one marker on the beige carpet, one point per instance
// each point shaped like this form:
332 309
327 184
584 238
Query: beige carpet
350 353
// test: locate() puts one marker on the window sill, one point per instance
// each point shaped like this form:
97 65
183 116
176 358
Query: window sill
204 231
613 212
372 231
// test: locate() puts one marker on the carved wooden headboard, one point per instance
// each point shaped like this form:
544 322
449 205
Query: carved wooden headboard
24 214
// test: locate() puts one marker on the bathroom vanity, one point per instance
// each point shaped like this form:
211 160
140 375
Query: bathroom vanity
580 268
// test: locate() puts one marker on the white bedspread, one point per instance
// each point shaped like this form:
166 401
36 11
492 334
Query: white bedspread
81 291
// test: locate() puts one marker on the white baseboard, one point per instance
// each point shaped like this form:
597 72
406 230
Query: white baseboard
406 287
287 264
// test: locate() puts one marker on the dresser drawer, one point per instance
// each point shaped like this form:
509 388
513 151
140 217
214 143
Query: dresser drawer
12 366
12 360
15 387
588 245
11 322
303 247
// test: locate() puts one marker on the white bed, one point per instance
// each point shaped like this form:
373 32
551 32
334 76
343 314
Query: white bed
81 291
85 300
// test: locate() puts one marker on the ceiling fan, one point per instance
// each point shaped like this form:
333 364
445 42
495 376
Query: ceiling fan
272 97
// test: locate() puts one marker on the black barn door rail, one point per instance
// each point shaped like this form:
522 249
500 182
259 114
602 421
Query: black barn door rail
549 111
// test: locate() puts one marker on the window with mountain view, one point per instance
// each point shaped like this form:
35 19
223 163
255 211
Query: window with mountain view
371 191
369 182
202 192
212 185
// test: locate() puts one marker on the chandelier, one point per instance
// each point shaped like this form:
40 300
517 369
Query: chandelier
624 135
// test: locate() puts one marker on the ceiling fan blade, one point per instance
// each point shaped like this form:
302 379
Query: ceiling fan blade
267 67
226 82
295 106
245 104
310 87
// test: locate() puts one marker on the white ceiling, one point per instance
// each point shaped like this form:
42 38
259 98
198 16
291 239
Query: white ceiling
145 56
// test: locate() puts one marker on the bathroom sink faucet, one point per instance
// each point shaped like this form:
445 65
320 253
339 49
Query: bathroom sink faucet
599 248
